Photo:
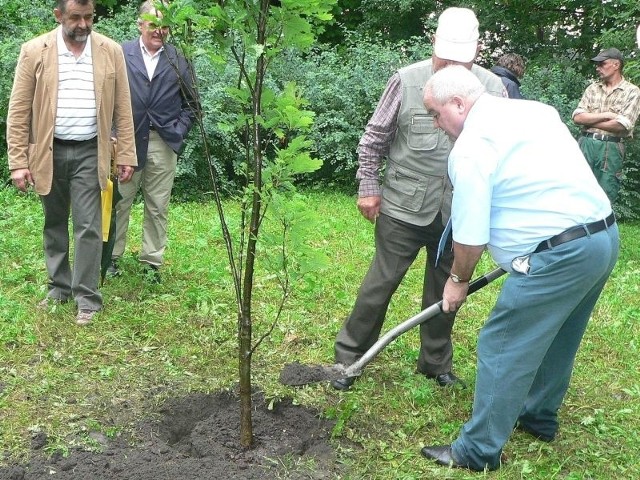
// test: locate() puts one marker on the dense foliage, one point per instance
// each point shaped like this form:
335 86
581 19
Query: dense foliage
343 77
17 25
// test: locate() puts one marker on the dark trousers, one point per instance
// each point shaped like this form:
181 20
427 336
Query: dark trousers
397 245
75 190
606 160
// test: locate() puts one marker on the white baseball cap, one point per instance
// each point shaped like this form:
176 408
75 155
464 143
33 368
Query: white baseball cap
457 35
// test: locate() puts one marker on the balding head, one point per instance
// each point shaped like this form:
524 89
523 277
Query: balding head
449 95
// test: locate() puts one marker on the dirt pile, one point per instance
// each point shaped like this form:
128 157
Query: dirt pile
197 437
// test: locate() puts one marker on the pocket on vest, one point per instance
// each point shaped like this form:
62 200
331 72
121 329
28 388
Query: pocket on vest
405 188
422 135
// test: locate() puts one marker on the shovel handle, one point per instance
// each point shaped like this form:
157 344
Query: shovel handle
426 314
484 280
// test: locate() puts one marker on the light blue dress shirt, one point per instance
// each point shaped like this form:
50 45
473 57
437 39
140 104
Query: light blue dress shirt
519 178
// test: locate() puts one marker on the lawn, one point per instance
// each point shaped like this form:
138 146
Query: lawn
180 337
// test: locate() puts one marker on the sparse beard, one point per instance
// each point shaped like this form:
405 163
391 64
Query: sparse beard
78 37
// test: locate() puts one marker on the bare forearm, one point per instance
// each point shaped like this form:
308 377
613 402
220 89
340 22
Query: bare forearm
465 259
589 119
612 126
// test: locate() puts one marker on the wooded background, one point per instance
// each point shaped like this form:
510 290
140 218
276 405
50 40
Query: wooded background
344 75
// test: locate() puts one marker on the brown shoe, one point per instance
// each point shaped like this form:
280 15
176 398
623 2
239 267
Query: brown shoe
84 317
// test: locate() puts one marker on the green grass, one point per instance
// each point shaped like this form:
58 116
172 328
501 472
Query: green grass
155 341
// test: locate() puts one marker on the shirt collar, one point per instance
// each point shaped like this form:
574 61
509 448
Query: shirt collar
620 84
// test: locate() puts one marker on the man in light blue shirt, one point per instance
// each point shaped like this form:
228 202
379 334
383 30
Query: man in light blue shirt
523 190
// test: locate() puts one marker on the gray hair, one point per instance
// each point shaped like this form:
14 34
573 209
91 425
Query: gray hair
454 81
62 4
149 6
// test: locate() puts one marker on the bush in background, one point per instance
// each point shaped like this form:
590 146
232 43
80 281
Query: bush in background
562 85
17 24
341 82
343 85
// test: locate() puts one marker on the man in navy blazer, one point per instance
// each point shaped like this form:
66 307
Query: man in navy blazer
164 103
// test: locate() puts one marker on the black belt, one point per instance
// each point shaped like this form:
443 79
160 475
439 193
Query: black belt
573 233
72 143
604 138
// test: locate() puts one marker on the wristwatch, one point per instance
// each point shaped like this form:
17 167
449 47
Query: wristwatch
456 279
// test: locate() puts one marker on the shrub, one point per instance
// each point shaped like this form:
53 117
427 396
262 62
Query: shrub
343 85
119 24
18 24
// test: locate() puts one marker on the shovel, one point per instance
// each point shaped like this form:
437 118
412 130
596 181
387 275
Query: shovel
297 374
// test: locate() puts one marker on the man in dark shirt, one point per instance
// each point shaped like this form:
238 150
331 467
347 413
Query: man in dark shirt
164 105
510 69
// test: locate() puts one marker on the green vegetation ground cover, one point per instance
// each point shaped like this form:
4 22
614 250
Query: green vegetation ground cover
172 339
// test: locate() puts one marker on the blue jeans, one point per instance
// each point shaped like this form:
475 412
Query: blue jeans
527 347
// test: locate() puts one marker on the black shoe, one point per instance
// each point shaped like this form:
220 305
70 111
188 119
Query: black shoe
447 380
543 437
112 269
151 273
443 455
344 383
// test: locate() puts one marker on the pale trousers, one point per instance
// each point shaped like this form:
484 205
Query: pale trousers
75 190
156 182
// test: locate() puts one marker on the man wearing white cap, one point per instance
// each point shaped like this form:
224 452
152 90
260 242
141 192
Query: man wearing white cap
607 114
413 204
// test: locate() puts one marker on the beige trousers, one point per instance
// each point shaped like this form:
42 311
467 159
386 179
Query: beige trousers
156 182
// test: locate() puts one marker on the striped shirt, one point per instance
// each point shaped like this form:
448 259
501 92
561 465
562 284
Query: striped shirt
76 114
623 100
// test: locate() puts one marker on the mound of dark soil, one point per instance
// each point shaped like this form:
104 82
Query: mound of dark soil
197 437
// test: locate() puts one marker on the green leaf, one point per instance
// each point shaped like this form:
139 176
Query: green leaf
303 163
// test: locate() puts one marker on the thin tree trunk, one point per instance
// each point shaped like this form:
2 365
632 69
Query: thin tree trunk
244 353
245 320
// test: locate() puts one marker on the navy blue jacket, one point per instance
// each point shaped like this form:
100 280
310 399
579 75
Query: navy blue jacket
509 80
167 101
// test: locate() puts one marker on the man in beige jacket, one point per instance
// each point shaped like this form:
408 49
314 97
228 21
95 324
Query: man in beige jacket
70 90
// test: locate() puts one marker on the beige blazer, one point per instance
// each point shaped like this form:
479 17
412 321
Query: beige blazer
33 105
